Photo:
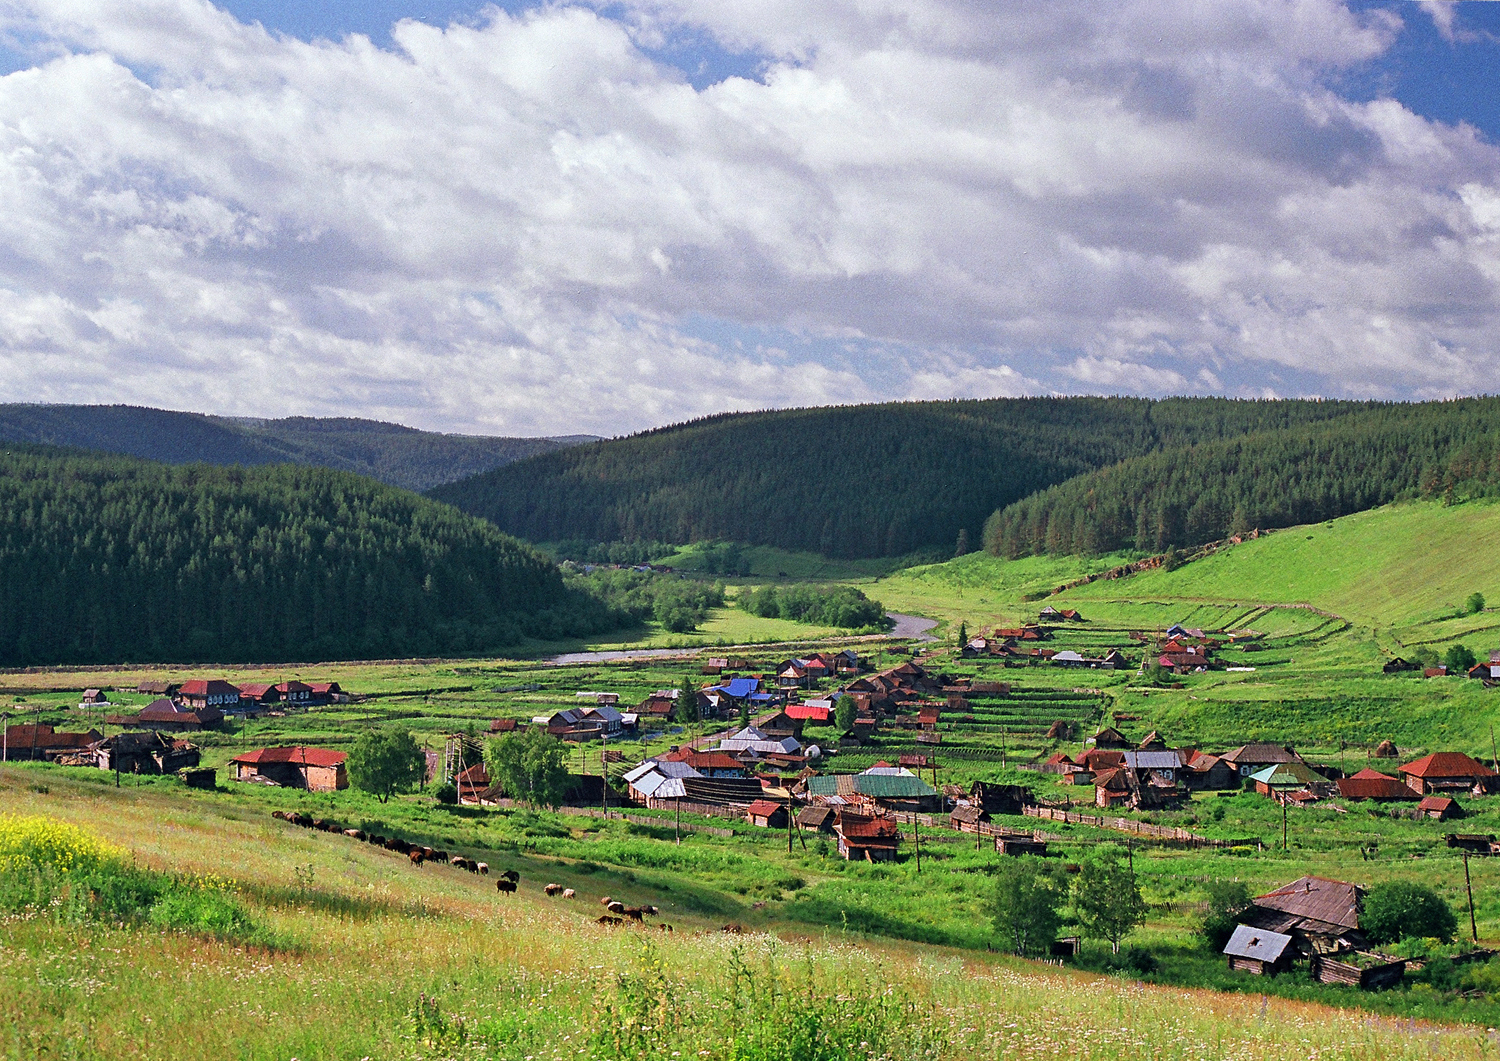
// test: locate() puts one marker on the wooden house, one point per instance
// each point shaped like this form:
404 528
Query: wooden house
1252 758
326 693
41 741
170 717
863 838
767 814
1112 788
158 688
1259 951
1321 915
1441 808
143 753
1373 785
966 818
815 819
1109 738
259 694
1000 799
295 693
313 769
1020 844
1447 772
210 692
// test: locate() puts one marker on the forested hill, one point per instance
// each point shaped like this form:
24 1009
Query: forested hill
397 455
111 559
1190 494
856 481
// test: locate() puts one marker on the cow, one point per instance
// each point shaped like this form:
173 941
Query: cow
416 857
733 929
635 913
604 902
281 815
569 893
429 854
505 886
553 889
484 869
664 927
376 839
302 820
354 834
615 907
512 876
605 919
439 856
471 866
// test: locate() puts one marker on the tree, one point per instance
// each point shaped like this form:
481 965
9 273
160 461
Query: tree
685 710
1025 907
1227 900
1401 909
1106 899
1475 604
963 633
1459 659
530 765
744 714
845 713
383 762
962 546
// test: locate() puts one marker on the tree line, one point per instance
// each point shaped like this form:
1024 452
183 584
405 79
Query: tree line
108 559
842 606
848 482
1209 490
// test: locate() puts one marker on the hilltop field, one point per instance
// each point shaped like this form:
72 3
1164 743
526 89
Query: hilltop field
433 962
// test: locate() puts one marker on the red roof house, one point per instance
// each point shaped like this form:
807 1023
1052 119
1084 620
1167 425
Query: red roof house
863 838
1440 807
1372 784
1446 772
315 769
767 814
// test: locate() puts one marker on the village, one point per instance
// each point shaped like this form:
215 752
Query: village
890 761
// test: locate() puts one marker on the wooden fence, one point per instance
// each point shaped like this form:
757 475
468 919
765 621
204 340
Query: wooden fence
1162 833
712 810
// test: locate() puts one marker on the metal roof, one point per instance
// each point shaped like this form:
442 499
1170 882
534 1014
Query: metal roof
1153 760
1258 943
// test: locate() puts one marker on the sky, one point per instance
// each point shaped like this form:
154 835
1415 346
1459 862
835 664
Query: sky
600 217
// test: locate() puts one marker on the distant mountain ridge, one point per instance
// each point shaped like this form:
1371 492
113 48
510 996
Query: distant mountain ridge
394 454
851 482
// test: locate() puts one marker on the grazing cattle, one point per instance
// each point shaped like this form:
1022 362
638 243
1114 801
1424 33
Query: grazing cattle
416 858
439 856
615 907
553 889
605 919
322 825
459 861
512 876
354 834
429 854
605 901
398 845
505 886
635 913
649 910
302 820
484 869
281 815
569 893
733 929
377 840
664 927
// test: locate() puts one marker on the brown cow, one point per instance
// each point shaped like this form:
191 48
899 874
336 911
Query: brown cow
484 869
569 893
504 886
512 876
605 919
553 889
416 858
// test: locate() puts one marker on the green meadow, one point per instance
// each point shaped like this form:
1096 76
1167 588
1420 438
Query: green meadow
434 963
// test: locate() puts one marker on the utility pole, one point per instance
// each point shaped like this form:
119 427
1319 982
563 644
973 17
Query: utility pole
789 822
917 838
1469 887
1283 821
604 783
1494 756
677 821
4 736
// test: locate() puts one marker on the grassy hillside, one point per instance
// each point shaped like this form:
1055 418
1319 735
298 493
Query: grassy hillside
851 482
371 958
396 455
110 558
1394 566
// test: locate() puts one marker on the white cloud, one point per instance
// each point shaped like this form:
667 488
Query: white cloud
502 227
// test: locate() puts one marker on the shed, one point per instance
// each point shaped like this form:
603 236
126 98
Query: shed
815 819
1259 951
315 769
1440 807
966 818
865 838
766 814
1372 784
1018 844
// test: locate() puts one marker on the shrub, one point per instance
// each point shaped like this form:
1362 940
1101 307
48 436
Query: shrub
1475 604
1227 899
1459 659
1399 909
446 793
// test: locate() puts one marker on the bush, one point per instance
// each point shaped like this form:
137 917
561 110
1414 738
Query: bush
1397 910
1227 899
1459 659
446 793
1475 604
